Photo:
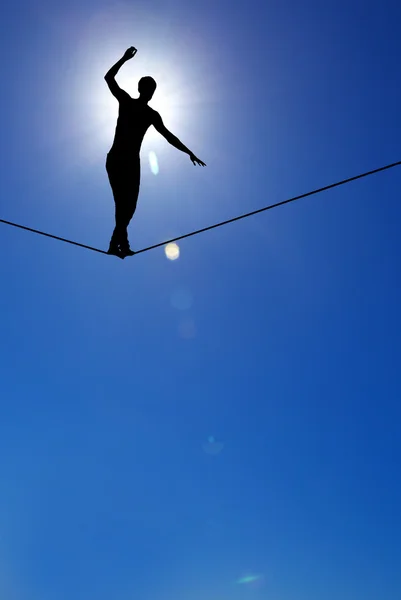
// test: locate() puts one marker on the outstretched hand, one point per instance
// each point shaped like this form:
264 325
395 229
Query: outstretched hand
196 161
128 54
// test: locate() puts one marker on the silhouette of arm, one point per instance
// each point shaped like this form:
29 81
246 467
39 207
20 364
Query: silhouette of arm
115 89
172 139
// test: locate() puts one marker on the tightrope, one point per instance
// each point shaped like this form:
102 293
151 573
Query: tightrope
210 227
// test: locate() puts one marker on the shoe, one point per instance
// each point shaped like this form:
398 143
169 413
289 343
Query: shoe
115 250
126 250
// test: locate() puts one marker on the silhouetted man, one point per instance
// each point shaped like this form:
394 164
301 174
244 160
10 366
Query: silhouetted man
123 163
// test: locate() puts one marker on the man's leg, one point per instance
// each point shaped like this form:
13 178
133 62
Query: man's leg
130 183
125 209
124 179
114 180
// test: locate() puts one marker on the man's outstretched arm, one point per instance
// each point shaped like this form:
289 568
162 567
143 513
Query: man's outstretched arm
111 73
174 141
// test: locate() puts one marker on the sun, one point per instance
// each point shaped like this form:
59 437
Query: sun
89 117
98 108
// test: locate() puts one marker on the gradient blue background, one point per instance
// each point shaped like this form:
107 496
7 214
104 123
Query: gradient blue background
278 335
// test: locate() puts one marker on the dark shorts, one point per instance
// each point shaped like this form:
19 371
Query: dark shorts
124 176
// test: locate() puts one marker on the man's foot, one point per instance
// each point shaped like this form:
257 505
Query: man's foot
126 251
125 247
115 250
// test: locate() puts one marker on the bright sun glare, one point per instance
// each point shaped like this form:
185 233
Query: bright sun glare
103 43
103 108
89 118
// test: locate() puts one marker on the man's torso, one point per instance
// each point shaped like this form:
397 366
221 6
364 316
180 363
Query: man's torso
134 119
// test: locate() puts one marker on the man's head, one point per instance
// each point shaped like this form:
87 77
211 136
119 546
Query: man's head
146 88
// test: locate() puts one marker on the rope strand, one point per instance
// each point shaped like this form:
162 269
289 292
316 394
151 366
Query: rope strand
232 220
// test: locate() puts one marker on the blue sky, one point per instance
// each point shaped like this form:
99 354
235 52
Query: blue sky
170 427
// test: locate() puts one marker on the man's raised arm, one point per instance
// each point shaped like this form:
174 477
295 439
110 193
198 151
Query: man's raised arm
111 73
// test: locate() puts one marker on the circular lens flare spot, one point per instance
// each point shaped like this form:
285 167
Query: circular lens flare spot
181 299
187 329
212 447
172 251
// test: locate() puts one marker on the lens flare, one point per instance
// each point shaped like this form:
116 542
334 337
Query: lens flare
250 579
212 447
154 165
181 299
187 329
172 251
